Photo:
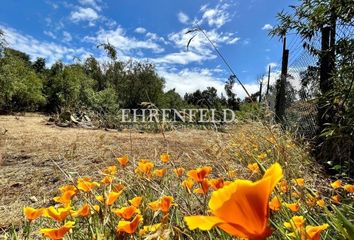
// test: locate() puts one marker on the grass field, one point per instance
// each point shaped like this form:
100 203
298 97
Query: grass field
36 159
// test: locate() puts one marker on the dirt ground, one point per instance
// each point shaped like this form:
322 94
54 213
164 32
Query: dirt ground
34 154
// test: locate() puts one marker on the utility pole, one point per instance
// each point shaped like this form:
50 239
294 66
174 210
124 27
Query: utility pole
281 85
267 92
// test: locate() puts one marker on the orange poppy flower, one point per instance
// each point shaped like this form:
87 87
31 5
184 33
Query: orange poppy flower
32 213
294 207
188 183
136 201
254 168
165 157
65 198
199 174
166 203
296 222
159 172
57 214
68 188
57 233
112 197
100 198
84 211
336 199
216 183
107 180
275 204
336 184
144 167
204 187
299 181
349 188
126 212
129 227
117 187
314 233
179 171
241 208
155 205
86 185
111 170
283 185
123 161
321 203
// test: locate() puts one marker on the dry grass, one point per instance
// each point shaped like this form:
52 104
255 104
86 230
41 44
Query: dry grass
32 151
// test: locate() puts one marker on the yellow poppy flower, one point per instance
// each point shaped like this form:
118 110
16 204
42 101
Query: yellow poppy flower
336 184
86 184
314 233
275 204
188 183
65 198
254 168
199 174
179 171
294 207
84 211
136 201
299 181
59 214
349 188
57 233
159 172
165 157
241 208
123 161
126 212
129 227
112 197
32 213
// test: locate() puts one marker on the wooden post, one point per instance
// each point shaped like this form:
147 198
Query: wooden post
260 90
281 85
267 92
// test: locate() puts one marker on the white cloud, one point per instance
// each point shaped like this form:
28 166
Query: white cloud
190 80
200 43
35 48
267 27
92 3
67 37
140 30
84 14
182 17
122 42
217 16
272 65
50 34
182 58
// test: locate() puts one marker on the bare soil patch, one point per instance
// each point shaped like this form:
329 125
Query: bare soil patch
32 153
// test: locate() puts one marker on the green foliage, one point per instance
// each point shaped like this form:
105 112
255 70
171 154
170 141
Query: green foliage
335 93
21 88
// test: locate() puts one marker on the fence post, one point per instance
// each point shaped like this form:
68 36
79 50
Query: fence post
260 90
267 92
281 87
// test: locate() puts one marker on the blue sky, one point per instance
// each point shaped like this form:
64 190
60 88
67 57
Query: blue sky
152 30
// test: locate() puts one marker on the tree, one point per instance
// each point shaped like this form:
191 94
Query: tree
335 138
21 88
